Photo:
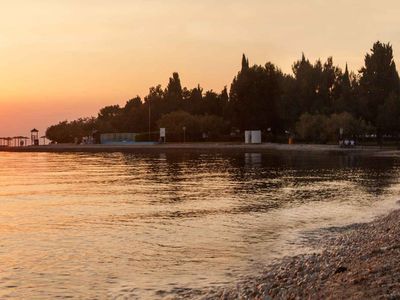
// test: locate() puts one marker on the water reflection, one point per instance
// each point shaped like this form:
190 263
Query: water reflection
252 159
89 225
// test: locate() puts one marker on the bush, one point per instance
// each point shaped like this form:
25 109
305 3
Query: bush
352 127
66 132
312 128
213 126
321 129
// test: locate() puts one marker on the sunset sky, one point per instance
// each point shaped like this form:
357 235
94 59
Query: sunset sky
63 59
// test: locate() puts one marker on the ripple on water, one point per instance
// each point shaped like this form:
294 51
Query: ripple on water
148 225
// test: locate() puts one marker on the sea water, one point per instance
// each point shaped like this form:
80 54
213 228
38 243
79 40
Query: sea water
147 225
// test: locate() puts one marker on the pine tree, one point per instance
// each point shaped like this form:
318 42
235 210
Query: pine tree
245 63
379 79
173 93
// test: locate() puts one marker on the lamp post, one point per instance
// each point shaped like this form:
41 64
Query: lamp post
184 134
149 121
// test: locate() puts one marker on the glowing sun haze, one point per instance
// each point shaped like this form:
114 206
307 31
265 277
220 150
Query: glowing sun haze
63 59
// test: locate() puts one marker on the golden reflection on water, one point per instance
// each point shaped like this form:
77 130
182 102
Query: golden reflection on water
109 225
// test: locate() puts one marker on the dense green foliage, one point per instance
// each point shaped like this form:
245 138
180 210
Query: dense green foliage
326 128
313 103
195 127
66 132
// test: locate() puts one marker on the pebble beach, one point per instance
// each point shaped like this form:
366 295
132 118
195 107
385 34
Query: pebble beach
360 261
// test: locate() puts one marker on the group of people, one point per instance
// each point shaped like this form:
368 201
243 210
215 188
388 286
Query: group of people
347 143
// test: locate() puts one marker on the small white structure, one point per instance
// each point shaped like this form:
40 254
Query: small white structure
162 132
247 137
252 137
256 137
162 135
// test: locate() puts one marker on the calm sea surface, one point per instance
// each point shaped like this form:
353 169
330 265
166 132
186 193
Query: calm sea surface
93 226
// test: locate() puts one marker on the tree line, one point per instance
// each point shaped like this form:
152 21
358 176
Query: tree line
310 104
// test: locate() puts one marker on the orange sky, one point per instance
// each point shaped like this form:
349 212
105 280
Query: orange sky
63 59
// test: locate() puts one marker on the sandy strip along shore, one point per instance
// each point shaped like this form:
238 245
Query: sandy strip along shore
194 147
360 261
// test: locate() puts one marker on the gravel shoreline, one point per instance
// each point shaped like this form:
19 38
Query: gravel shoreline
360 261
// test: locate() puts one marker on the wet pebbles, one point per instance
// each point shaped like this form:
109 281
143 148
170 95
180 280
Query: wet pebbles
361 261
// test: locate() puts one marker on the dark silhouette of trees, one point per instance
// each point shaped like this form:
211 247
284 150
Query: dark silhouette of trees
195 127
288 106
378 80
134 117
317 86
344 100
67 132
245 62
388 119
173 94
109 119
154 106
193 100
254 95
313 102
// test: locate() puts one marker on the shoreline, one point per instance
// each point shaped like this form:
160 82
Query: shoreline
358 261
204 147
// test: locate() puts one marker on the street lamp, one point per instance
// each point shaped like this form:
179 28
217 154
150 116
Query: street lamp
149 121
184 133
